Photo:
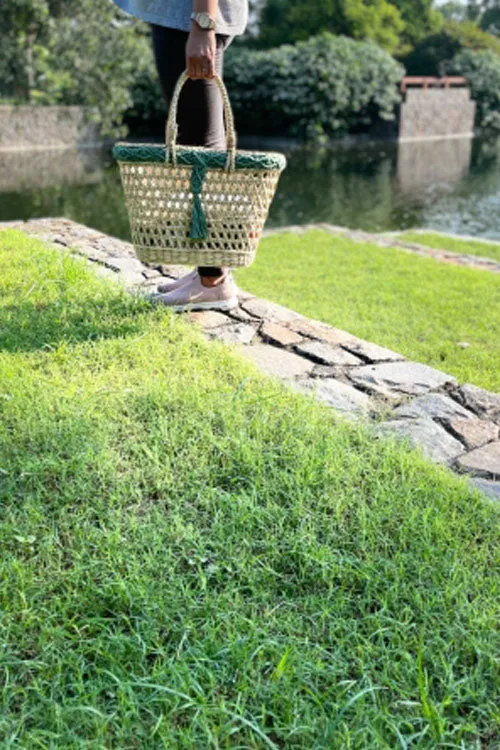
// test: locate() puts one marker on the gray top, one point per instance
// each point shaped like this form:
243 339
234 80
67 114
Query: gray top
232 15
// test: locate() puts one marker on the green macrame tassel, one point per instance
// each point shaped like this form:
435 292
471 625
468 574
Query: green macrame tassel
198 219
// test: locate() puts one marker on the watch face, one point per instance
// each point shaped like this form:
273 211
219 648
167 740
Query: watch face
204 20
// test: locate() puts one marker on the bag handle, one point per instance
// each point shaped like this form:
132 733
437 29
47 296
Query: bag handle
171 126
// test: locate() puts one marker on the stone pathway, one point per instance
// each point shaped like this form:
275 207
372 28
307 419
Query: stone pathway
453 425
392 240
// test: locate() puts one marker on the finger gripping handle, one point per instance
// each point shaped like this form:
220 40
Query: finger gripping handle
171 125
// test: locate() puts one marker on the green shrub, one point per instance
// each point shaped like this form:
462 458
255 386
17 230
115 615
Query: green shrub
434 54
490 20
148 112
325 86
290 21
482 70
87 53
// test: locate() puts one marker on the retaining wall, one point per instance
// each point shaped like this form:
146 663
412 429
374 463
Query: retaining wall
43 127
437 113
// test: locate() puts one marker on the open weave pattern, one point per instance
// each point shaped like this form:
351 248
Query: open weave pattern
160 205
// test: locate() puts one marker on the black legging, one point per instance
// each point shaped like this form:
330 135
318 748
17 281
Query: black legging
200 114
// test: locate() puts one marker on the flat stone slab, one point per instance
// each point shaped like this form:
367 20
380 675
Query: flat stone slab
483 462
336 394
434 442
327 371
172 272
242 295
372 352
484 403
490 488
473 432
151 273
238 313
279 363
209 319
405 377
325 354
131 279
125 265
114 248
321 331
86 240
237 333
269 311
433 405
278 334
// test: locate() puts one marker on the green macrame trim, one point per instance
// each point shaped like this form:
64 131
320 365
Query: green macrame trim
149 153
198 221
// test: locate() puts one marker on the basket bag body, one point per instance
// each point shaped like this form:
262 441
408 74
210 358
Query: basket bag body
197 206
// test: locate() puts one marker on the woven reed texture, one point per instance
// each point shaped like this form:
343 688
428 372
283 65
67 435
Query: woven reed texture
160 204
198 206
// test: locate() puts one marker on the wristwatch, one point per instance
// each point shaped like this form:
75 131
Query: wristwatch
204 21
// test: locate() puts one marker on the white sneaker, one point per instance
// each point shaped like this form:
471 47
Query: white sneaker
193 295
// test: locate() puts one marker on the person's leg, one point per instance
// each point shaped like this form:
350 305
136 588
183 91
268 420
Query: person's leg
200 112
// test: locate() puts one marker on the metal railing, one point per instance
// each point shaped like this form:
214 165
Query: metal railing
426 82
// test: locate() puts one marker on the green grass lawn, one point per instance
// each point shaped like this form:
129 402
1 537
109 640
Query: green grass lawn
195 557
416 306
456 245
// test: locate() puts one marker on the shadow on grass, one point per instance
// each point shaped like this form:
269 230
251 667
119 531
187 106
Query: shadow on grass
31 325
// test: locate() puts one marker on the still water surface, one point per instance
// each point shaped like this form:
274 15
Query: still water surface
451 185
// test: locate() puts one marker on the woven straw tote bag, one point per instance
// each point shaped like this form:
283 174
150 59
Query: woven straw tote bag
193 205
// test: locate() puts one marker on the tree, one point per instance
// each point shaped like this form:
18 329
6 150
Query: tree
474 10
482 70
438 50
284 21
485 13
94 57
67 52
24 22
453 10
490 19
26 28
420 18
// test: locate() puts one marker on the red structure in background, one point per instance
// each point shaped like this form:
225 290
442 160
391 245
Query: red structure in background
426 82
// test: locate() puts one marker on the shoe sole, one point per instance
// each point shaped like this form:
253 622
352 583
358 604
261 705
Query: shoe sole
227 304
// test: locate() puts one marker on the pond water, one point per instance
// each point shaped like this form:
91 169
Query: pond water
449 185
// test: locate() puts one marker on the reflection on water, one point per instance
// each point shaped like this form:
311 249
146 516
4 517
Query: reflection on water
451 185
425 163
22 170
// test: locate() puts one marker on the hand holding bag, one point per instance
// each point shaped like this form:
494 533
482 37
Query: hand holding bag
191 205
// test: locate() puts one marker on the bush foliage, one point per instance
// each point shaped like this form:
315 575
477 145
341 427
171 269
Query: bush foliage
289 21
393 24
434 54
87 53
482 70
325 86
